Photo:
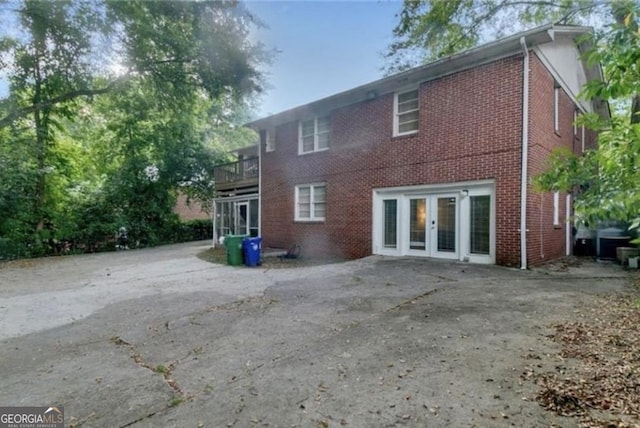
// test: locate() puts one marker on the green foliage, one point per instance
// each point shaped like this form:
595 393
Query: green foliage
87 147
194 230
430 29
608 178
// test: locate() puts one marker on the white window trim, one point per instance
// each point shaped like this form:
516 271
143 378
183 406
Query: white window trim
315 136
396 119
582 139
269 145
556 208
556 108
312 217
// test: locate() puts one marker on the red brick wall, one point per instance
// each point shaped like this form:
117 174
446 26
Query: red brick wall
189 211
470 129
546 241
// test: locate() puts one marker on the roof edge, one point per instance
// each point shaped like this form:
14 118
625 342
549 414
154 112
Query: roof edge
485 53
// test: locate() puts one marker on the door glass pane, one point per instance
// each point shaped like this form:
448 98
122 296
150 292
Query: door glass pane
390 223
417 218
480 224
242 219
230 222
225 218
447 224
253 217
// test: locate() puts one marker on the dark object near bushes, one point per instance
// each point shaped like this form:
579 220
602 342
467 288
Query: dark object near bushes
292 253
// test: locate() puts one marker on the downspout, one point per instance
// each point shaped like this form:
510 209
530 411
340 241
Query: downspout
525 160
567 225
214 236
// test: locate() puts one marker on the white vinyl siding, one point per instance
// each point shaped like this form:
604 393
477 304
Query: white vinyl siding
314 135
406 107
311 202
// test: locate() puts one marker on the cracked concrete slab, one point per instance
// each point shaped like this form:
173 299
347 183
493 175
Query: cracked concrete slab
160 338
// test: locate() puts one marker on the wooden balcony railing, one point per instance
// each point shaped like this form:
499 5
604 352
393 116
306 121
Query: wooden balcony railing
241 173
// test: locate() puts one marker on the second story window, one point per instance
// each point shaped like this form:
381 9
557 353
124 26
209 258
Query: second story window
406 108
266 141
556 108
314 135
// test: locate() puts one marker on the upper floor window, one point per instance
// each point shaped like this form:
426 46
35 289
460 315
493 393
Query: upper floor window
406 109
314 135
266 141
556 108
311 202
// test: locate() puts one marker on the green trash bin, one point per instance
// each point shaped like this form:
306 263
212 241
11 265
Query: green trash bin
233 244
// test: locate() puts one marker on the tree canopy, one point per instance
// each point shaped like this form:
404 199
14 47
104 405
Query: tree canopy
111 108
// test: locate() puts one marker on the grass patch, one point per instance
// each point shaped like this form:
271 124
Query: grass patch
175 401
219 256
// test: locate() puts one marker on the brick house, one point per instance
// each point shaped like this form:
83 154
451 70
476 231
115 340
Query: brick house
236 201
436 161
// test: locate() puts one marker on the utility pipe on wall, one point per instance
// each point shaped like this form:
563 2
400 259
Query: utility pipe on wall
525 150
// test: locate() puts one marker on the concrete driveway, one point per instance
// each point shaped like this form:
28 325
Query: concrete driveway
159 338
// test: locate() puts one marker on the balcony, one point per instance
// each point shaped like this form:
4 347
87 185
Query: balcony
237 177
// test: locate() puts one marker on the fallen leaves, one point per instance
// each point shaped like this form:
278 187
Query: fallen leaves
603 388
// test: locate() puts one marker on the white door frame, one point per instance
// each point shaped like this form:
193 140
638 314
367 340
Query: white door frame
246 218
462 191
431 226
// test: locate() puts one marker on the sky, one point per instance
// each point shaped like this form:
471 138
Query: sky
324 47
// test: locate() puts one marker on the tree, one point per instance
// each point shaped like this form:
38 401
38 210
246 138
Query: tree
430 29
167 70
607 178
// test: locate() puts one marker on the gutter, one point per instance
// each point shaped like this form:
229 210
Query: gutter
525 155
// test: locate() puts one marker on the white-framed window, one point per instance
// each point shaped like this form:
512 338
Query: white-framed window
556 108
314 135
556 208
311 202
267 141
575 125
406 112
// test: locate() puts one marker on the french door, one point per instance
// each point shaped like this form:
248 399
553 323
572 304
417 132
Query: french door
431 226
441 221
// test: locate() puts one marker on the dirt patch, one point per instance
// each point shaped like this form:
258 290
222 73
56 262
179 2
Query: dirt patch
219 256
